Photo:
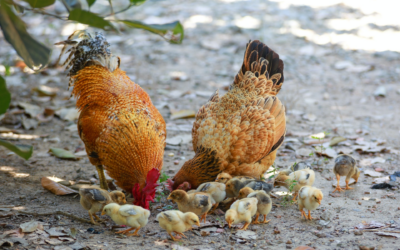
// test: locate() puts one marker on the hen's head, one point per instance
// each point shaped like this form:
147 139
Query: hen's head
148 192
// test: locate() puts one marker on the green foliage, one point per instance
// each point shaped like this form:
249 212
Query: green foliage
89 18
23 151
163 177
40 3
35 54
5 96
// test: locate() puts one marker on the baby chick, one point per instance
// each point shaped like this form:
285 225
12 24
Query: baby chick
295 180
177 222
241 211
134 216
234 185
225 177
345 165
94 199
216 190
198 202
309 198
260 185
264 204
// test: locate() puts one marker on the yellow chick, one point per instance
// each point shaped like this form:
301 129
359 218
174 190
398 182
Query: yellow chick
225 177
177 222
345 165
134 216
198 202
216 191
295 180
309 198
241 211
264 204
94 199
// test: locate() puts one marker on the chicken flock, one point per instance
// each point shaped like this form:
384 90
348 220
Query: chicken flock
235 139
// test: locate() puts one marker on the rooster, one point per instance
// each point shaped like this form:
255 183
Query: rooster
122 130
240 132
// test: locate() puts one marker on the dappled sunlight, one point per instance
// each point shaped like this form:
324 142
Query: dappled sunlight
12 172
19 136
192 21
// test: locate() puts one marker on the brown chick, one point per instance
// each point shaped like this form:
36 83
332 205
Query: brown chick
198 202
94 199
309 198
225 177
234 185
345 165
264 204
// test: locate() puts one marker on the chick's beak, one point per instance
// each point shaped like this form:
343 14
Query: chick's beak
198 224
229 224
319 202
169 197
103 213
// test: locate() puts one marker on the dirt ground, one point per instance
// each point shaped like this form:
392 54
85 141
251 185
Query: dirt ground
342 76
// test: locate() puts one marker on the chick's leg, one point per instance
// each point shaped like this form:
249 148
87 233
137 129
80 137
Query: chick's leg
172 237
181 234
255 221
338 186
125 231
295 196
102 177
309 215
265 219
97 218
204 216
246 225
92 220
214 207
134 233
347 185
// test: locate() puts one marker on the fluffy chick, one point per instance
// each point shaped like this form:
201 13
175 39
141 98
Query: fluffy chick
94 199
345 165
216 190
225 177
241 211
177 222
309 198
264 204
197 202
234 185
260 185
299 178
134 216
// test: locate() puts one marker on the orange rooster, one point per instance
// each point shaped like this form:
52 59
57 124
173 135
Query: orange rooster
240 132
121 128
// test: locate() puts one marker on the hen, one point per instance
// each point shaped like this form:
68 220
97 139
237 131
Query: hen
122 130
240 132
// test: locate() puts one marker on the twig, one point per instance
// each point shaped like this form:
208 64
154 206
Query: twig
374 230
57 212
120 11
36 10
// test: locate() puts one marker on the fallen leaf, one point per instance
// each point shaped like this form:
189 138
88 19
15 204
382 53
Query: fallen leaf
378 160
44 90
381 180
246 235
28 123
328 152
68 114
177 247
336 140
396 235
63 154
179 140
68 239
372 173
53 241
29 227
30 109
161 243
56 188
204 233
371 225
183 114
76 246
17 233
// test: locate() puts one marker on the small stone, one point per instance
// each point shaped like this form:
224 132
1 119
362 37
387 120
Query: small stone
359 203
289 242
367 192
380 91
171 154
357 232
176 162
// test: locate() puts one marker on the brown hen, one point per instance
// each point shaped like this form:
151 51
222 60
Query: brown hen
240 132
121 128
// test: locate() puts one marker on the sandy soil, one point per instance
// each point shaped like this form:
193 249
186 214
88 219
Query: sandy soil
337 56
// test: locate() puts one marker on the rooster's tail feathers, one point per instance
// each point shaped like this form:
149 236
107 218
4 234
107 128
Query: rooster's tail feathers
261 60
86 51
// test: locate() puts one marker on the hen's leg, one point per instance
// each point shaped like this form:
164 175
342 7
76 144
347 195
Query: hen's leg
338 186
102 177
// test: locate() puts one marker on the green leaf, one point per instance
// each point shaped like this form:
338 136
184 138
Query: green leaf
40 3
35 54
63 154
5 96
137 2
89 18
90 2
173 32
24 151
72 4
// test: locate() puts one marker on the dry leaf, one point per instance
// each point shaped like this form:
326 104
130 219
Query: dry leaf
336 140
328 152
63 154
44 90
161 243
29 227
372 173
179 140
246 235
56 188
183 114
396 235
204 233
53 241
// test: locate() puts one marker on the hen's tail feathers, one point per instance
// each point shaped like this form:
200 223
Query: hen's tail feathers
86 51
261 60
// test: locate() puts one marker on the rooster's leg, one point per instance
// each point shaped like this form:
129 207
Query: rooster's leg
92 220
102 177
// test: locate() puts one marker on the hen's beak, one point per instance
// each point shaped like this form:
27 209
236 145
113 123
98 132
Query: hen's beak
103 213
